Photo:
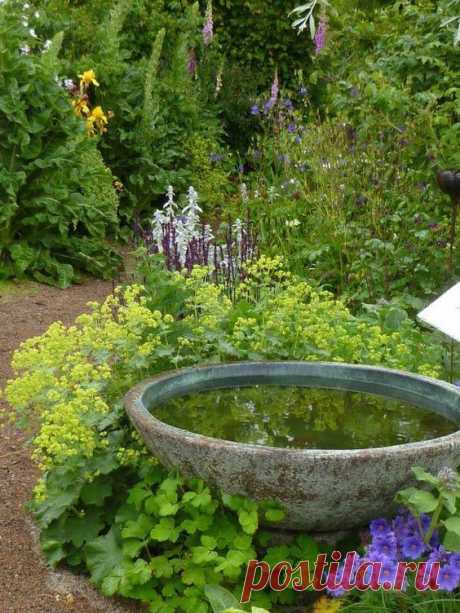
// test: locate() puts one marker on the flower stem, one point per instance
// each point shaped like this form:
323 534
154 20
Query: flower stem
434 521
453 225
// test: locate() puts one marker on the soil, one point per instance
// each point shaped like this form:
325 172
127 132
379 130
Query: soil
27 585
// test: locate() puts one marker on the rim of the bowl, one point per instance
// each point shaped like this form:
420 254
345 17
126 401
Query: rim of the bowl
135 407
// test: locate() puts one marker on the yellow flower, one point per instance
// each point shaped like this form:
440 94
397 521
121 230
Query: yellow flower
80 106
88 78
326 605
96 121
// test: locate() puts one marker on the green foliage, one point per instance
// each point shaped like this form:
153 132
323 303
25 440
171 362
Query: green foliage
223 601
58 203
356 214
140 52
400 65
439 499
259 35
102 502
344 186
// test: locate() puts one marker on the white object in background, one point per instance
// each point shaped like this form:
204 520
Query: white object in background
444 313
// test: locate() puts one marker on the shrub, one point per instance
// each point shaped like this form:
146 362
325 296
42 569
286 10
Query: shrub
58 203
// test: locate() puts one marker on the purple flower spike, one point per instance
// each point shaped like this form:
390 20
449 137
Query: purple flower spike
275 88
208 28
320 36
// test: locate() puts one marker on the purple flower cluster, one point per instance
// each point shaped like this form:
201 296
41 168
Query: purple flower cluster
320 36
403 540
186 242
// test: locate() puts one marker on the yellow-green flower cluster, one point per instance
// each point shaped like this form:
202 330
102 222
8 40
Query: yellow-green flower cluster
73 378
67 375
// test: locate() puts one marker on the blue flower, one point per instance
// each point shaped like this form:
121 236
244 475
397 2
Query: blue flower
388 573
255 109
454 561
303 92
379 527
413 547
448 578
438 555
288 104
269 105
383 546
292 127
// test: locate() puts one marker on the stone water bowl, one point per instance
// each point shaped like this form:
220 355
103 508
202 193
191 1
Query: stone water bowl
320 490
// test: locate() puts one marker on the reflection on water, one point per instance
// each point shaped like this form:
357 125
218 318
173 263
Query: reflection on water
303 418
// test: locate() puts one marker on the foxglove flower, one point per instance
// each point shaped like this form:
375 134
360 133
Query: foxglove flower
219 82
208 28
320 35
275 88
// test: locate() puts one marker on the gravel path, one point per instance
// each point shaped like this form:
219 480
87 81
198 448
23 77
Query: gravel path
27 585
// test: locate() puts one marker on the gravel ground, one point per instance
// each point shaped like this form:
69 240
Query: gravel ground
27 585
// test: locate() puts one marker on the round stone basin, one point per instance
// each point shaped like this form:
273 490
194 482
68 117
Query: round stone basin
320 490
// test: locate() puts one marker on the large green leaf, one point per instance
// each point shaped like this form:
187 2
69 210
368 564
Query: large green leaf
219 598
104 555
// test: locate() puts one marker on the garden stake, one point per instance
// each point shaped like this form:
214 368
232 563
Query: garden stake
449 182
455 203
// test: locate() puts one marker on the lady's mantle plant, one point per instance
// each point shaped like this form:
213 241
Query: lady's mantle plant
102 502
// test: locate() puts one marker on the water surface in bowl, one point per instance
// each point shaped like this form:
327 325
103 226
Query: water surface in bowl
302 417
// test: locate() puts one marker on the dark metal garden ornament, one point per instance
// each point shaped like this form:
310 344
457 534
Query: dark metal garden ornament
449 182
